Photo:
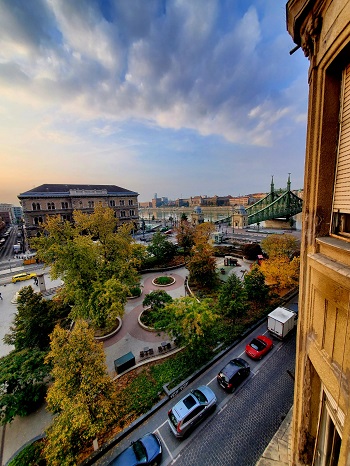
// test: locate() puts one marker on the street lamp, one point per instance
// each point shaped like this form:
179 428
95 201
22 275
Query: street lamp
10 265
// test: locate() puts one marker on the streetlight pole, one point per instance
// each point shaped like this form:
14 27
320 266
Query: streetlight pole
10 265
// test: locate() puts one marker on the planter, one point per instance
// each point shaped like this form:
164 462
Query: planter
163 280
112 333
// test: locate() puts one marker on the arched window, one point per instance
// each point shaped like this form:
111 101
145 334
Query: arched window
51 205
36 206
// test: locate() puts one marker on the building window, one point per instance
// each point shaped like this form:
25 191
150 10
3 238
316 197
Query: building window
131 202
66 217
51 205
328 438
64 205
91 204
122 202
112 203
132 213
341 197
37 220
122 213
36 206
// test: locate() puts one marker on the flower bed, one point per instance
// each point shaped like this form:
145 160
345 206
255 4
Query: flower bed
163 280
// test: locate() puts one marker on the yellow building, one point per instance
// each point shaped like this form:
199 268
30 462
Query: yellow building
321 423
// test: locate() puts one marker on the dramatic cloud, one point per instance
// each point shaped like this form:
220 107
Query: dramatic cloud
98 72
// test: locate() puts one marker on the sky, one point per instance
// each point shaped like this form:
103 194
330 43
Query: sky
174 97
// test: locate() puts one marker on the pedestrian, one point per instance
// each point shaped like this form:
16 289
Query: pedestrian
1 297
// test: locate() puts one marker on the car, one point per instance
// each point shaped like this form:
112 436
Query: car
147 450
23 276
191 410
258 347
233 374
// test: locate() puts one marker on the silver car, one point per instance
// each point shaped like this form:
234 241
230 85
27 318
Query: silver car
191 410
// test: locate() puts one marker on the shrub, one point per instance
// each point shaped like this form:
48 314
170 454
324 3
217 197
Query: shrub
29 456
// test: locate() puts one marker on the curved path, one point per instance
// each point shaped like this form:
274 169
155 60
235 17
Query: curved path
132 337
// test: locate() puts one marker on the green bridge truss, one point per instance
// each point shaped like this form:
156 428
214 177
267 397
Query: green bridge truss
282 204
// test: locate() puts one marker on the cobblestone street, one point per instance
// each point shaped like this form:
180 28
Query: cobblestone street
240 433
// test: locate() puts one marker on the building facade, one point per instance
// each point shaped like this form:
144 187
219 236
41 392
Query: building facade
62 199
321 413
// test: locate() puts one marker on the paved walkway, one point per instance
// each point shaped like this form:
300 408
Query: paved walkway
277 453
131 337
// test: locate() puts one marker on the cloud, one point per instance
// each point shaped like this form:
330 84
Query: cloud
178 64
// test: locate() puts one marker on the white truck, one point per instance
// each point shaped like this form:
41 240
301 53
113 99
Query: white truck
281 321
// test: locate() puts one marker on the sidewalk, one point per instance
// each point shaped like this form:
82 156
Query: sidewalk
131 337
277 453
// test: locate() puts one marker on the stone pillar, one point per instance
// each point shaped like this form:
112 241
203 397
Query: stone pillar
41 280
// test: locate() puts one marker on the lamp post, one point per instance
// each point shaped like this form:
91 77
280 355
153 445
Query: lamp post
10 265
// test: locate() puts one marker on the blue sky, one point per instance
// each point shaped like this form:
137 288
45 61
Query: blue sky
174 97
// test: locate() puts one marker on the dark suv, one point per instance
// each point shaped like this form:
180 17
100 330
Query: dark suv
233 374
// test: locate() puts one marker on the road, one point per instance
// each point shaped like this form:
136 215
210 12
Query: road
243 423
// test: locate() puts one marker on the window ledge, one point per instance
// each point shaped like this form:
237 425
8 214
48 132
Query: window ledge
334 252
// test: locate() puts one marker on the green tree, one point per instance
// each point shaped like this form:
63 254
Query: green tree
34 320
188 320
280 245
161 248
87 255
255 286
23 381
157 299
233 298
82 395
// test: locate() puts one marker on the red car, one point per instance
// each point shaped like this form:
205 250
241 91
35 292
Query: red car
258 347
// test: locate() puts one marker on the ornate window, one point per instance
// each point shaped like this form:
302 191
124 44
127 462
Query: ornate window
51 205
64 205
112 203
37 220
131 202
36 206
91 204
122 213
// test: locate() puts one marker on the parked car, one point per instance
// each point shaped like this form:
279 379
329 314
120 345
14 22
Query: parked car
233 374
23 276
191 410
147 450
258 347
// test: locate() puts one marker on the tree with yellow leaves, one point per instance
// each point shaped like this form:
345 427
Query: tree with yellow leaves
97 262
280 245
82 395
281 272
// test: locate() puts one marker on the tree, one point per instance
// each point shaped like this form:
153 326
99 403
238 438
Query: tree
280 245
34 320
255 286
185 236
233 297
202 266
82 395
281 272
157 299
161 248
251 251
188 320
23 381
87 255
